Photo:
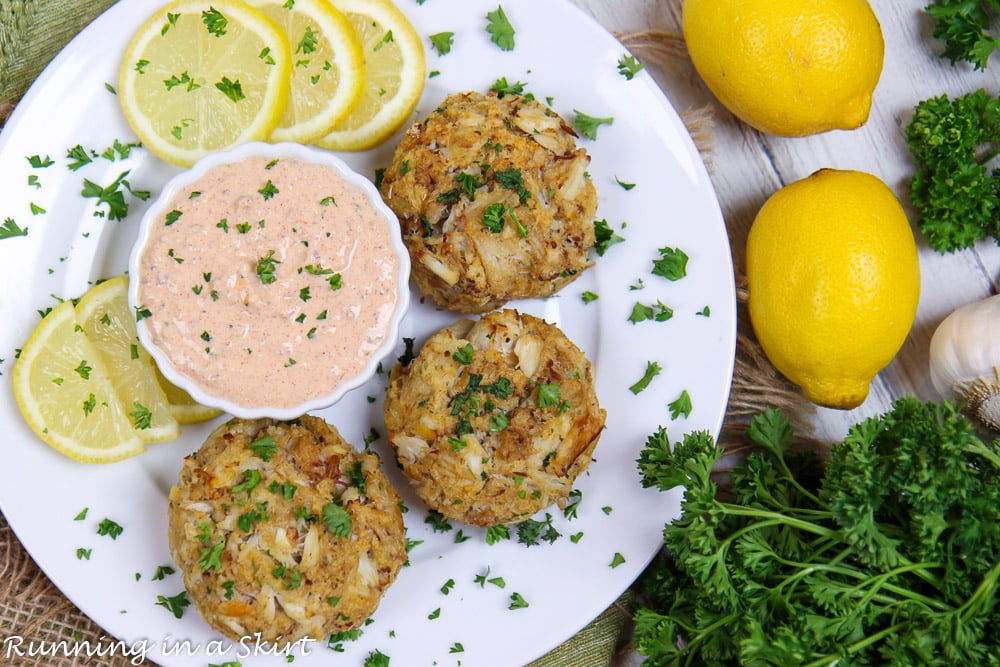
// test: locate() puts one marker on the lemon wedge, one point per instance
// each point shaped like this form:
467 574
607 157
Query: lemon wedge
89 389
66 394
109 322
183 408
328 68
203 76
395 72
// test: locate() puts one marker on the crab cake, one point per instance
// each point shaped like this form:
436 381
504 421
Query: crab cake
283 528
494 201
493 420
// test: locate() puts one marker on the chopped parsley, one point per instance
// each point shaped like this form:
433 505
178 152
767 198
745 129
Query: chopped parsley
548 395
588 296
175 604
587 125
337 519
658 312
500 29
517 601
264 447
376 659
356 473
512 179
652 370
251 478
109 528
483 579
531 531
268 190
604 236
681 405
493 216
570 511
501 87
142 417
211 554
112 196
497 533
266 267
10 229
231 89
437 522
617 560
671 265
625 186
214 21
442 42
463 355
628 66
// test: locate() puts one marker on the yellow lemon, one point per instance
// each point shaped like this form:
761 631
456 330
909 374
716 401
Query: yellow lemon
105 316
395 70
834 281
788 67
183 408
204 75
66 393
328 70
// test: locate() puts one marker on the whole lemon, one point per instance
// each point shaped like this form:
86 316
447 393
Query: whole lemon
788 67
834 280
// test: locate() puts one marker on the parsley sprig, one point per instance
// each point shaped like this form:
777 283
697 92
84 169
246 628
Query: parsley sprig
956 194
890 549
963 26
500 29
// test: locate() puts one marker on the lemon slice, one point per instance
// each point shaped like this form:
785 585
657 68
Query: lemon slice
109 322
184 409
65 392
202 76
395 71
328 68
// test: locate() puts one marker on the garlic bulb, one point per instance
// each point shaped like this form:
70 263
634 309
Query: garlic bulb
965 358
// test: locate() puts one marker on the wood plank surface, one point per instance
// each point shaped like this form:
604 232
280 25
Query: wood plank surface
748 166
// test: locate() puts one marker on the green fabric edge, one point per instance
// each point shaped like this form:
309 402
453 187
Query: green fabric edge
32 32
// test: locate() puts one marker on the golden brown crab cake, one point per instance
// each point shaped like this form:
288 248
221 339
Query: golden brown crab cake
283 528
494 201
493 420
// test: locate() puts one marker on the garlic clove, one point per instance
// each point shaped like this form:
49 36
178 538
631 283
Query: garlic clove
965 356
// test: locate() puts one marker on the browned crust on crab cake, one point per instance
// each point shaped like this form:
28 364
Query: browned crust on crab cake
478 153
248 529
494 420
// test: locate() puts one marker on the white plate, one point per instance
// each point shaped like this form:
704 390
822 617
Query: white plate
560 54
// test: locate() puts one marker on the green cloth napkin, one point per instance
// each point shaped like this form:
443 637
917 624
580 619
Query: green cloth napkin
31 33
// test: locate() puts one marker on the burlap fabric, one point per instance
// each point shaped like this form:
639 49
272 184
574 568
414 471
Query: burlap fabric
32 608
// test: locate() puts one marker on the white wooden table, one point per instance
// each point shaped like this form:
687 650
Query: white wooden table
747 167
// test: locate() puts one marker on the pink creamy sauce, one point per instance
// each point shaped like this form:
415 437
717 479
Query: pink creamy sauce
269 283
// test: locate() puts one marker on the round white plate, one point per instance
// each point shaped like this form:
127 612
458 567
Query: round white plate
436 613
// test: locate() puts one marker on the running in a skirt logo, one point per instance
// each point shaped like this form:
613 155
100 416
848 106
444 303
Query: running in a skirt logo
15 646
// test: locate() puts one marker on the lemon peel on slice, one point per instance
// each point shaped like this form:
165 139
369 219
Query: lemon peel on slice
395 73
67 396
328 67
203 76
